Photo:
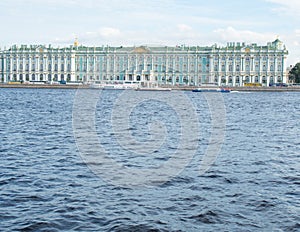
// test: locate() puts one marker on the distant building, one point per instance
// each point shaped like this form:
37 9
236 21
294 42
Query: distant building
231 65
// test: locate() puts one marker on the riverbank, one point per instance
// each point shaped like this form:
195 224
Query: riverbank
184 88
44 86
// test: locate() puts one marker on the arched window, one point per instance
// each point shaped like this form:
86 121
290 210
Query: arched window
279 79
248 67
264 68
41 77
49 77
33 77
223 80
223 68
185 80
279 68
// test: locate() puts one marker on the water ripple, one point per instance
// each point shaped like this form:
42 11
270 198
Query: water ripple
46 186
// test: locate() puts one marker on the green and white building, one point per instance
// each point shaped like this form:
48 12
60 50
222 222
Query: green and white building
231 65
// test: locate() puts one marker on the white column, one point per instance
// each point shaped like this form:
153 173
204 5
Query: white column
4 69
268 70
283 71
211 69
73 67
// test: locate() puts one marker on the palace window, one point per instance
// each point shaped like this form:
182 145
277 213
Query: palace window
223 68
247 67
279 68
264 68
256 68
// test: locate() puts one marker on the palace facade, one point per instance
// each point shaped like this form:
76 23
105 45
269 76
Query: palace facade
231 65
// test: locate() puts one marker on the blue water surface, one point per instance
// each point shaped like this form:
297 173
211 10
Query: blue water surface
253 185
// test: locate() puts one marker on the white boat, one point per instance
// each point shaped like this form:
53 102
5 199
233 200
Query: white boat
153 89
220 90
118 86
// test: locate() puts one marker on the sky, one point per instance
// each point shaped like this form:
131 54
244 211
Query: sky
152 23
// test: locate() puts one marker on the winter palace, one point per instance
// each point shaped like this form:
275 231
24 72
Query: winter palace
232 65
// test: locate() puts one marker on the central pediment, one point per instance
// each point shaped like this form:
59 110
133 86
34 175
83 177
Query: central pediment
141 49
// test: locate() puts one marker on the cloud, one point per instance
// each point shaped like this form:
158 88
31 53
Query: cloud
232 34
183 27
109 32
290 7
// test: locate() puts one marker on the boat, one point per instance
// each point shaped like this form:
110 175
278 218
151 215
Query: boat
219 90
153 89
116 86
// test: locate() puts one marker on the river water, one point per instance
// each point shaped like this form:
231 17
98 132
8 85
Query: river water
251 184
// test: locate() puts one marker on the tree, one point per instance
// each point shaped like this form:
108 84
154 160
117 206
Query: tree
294 74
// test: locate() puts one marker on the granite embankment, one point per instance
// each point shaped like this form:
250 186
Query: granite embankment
187 88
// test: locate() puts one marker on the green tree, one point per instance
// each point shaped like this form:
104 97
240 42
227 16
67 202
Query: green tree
294 74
